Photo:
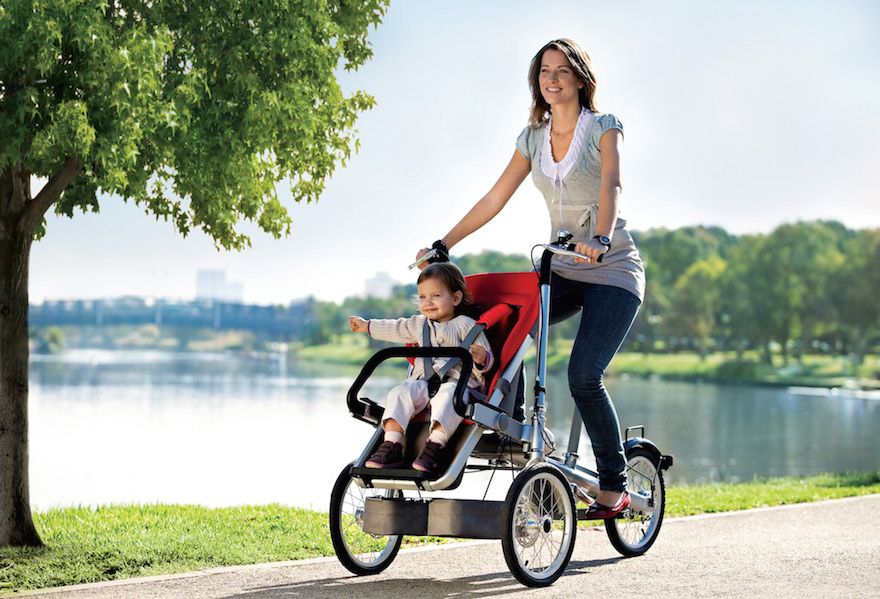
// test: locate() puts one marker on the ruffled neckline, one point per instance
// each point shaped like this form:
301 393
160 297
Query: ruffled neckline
559 170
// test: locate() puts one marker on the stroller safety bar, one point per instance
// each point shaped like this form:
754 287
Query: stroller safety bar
369 411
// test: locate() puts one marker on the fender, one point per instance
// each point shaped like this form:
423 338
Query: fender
664 462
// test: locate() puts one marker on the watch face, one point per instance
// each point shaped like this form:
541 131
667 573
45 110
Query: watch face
603 239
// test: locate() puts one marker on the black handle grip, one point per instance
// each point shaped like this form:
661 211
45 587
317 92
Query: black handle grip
442 254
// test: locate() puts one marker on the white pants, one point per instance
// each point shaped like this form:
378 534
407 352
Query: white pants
411 396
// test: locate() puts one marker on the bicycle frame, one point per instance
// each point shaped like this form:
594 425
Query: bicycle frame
578 476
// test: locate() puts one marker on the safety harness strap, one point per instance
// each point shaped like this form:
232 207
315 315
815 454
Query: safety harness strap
428 364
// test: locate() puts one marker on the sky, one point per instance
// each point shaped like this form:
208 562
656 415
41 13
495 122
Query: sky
744 115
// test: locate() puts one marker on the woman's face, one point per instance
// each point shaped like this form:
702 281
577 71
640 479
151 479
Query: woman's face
557 80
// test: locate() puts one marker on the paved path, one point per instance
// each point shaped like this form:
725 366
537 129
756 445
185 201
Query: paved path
827 549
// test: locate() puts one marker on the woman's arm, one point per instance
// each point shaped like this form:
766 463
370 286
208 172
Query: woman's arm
609 192
491 203
609 186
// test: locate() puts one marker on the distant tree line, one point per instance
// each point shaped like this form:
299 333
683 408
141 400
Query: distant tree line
806 287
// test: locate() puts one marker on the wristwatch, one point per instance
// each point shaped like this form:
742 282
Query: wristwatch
603 239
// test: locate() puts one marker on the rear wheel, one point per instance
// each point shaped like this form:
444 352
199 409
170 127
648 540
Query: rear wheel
634 531
360 552
539 524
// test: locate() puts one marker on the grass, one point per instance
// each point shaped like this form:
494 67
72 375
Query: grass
725 367
726 497
107 543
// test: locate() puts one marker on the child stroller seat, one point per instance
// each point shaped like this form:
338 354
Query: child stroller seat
512 302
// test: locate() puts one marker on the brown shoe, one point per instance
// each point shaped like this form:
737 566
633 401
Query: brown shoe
428 459
389 455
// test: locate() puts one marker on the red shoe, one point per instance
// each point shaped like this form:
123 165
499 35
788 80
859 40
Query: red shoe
597 511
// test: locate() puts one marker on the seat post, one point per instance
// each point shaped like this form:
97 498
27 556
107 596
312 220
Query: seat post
539 416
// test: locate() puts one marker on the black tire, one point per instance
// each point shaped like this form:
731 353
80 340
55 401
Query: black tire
632 532
538 515
361 553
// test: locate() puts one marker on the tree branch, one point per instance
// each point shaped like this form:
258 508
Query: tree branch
50 193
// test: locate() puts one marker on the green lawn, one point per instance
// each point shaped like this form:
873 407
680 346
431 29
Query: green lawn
107 543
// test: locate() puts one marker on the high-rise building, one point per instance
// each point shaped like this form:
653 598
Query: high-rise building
212 285
379 285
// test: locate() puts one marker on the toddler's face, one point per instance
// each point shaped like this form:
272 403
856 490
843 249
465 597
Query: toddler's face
436 302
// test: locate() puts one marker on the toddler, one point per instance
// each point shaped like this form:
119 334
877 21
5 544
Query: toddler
443 301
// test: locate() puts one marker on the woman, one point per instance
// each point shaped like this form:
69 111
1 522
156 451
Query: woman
572 152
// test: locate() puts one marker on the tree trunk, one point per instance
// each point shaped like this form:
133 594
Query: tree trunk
767 353
20 215
16 522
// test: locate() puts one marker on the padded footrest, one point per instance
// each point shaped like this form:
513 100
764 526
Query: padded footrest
367 474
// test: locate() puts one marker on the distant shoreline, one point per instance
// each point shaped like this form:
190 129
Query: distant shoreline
347 355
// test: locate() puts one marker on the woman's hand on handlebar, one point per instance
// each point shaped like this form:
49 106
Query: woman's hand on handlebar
591 250
422 263
438 252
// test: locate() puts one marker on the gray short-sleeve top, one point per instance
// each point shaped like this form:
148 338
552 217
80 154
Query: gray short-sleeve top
572 198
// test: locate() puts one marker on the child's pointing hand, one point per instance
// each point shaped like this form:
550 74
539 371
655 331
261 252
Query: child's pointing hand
358 324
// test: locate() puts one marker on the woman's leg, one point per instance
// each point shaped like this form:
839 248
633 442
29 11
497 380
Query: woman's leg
608 314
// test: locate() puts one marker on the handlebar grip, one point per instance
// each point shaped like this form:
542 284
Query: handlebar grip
571 247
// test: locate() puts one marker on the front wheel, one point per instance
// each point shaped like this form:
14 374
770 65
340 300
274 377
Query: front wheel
361 553
633 531
539 524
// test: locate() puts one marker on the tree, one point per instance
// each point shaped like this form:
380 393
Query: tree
192 110
857 286
741 311
492 261
674 251
696 302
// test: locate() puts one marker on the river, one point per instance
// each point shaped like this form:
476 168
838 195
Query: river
222 429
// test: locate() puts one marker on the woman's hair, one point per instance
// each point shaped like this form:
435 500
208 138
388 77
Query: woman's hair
583 70
452 278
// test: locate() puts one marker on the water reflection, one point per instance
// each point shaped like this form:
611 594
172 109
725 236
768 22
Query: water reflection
733 432
220 429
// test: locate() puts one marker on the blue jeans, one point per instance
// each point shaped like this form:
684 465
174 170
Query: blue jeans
607 315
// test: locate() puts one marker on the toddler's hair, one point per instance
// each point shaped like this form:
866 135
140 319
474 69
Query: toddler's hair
452 278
